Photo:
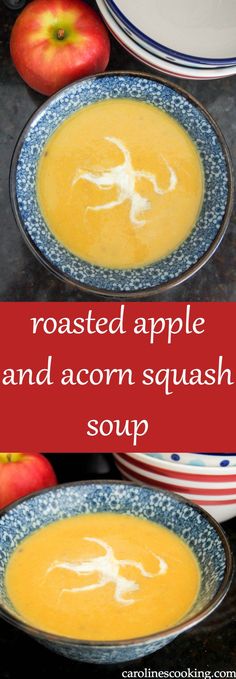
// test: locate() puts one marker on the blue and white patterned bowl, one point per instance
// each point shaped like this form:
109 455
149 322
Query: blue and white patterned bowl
198 529
217 204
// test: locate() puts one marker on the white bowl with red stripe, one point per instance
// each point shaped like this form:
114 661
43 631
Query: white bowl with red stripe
213 488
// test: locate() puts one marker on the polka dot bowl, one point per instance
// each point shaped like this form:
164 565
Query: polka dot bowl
221 460
192 524
211 487
217 204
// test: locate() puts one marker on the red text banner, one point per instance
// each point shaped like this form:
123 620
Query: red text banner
102 377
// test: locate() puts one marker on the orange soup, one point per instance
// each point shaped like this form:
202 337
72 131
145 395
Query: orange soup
103 577
120 183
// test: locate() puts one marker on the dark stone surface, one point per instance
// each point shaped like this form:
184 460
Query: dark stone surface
21 276
210 646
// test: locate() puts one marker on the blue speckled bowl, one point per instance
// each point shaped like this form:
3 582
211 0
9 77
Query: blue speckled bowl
195 526
217 205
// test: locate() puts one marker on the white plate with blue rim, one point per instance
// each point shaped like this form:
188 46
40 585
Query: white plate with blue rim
161 64
218 197
201 33
152 49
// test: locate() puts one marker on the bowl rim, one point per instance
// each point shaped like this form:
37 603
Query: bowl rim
167 51
115 28
125 294
172 631
193 470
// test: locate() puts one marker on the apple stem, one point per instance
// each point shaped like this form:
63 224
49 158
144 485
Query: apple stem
60 34
9 457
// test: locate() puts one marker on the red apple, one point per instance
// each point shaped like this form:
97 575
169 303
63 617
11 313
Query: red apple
54 42
23 473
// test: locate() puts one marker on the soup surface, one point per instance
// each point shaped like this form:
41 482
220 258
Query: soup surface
120 183
102 577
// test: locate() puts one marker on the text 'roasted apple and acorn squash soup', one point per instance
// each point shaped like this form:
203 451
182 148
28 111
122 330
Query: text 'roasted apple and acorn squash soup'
103 577
120 183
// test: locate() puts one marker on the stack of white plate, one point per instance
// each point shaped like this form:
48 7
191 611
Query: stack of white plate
184 38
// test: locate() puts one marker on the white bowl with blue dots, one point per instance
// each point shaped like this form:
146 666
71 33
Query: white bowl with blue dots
222 460
212 222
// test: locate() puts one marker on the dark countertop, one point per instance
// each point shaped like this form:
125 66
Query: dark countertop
210 646
22 278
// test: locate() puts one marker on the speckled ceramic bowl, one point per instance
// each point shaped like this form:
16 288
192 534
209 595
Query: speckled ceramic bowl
196 527
217 204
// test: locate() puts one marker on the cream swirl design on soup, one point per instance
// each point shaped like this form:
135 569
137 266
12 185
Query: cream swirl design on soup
120 183
108 568
103 576
124 178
